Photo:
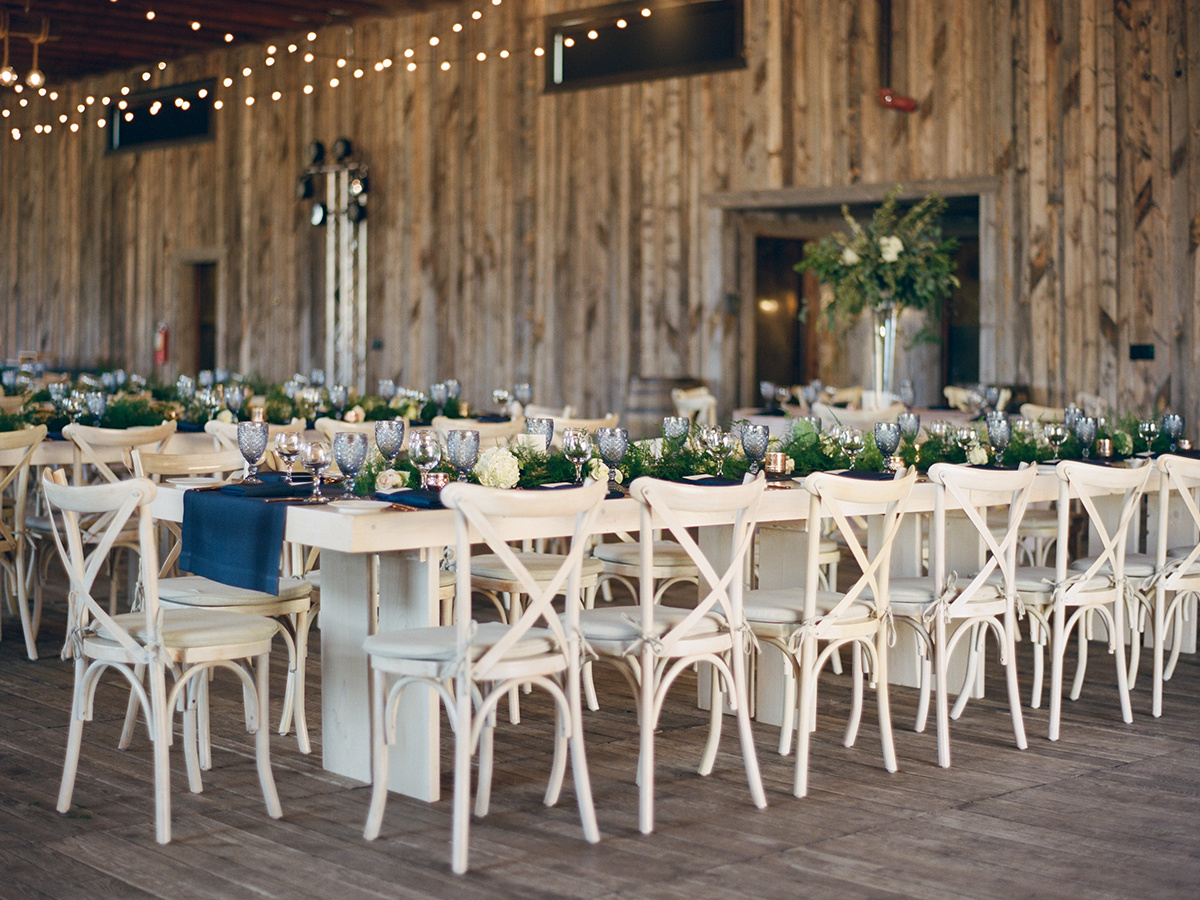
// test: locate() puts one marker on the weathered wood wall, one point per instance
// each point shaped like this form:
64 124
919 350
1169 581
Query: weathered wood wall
578 239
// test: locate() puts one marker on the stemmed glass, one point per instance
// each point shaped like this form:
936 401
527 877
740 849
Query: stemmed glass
60 392
1070 415
315 458
965 437
613 442
754 442
887 439
910 424
523 393
1085 430
1149 431
812 392
675 430
235 398
439 394
386 389
852 442
425 451
783 393
287 447
462 449
252 441
814 421
1172 425
317 377
999 432
908 395
767 389
205 378
339 394
1055 434
577 447
543 427
350 453
501 397
720 444
76 405
97 404
389 438
991 396
453 388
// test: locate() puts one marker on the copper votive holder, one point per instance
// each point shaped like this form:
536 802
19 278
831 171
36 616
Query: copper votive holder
1183 444
776 463
1104 448
438 480
258 414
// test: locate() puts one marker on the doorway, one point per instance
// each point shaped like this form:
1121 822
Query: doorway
196 326
785 345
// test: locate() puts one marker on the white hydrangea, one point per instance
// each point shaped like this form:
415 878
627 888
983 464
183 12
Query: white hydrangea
1123 443
890 248
225 416
977 456
390 480
598 471
355 414
849 257
497 467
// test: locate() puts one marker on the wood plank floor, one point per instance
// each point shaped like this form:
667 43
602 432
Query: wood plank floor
1111 810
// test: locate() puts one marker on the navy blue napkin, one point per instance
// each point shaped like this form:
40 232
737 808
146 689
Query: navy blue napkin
236 540
421 499
273 485
493 417
713 481
866 475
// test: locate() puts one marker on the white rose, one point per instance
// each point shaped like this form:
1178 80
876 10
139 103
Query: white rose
598 471
849 257
497 467
890 248
355 414
225 416
390 480
977 456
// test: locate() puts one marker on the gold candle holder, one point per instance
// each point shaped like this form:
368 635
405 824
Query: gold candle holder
776 463
1104 448
258 414
438 480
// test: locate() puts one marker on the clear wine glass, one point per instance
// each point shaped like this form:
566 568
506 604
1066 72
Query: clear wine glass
1085 430
782 395
887 438
339 395
767 389
350 454
501 397
315 457
1056 435
386 389
675 430
1172 426
541 426
287 447
76 405
523 393
235 398
252 441
389 438
852 442
814 421
999 429
425 451
754 442
577 447
1149 431
453 388
462 449
205 378
612 442
60 392
939 430
908 395
729 442
910 424
97 404
439 394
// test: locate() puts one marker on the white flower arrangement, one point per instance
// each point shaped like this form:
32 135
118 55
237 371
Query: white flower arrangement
225 416
355 414
1123 443
497 467
390 480
890 248
977 455
598 471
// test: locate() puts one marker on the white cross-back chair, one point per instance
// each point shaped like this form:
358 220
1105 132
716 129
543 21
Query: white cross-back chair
1177 568
187 643
1099 585
294 605
696 403
471 665
16 452
652 645
976 601
491 434
799 620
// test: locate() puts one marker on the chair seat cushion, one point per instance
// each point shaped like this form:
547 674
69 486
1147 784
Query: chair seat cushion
1137 565
785 606
1030 579
1180 552
440 643
190 629
622 624
195 590
541 566
666 553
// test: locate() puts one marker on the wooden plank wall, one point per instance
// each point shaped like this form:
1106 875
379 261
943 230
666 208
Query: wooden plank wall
571 239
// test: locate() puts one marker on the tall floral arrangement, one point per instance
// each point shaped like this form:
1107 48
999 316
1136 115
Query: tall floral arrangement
894 262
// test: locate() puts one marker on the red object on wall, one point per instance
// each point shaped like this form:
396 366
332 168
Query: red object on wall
892 100
161 340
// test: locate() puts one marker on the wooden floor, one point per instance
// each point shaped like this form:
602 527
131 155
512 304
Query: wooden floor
1110 810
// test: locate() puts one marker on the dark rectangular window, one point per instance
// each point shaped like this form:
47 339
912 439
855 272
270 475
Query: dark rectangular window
178 114
636 41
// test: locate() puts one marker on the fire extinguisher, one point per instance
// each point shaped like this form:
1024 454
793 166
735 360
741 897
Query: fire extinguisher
160 344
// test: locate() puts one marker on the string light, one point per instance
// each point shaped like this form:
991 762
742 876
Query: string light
145 76
90 100
217 104
412 67
333 82
312 36
292 48
433 41
228 82
358 73
74 127
481 56
271 50
150 14
246 72
457 27
249 101
477 15
504 54
24 102
125 91
275 95
308 57
308 89
621 23
446 65
161 66
228 38
100 123
195 26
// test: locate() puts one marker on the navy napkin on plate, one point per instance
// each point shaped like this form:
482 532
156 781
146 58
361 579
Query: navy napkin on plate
236 540
273 485
713 481
493 417
421 499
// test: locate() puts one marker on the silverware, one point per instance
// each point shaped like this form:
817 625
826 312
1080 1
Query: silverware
403 507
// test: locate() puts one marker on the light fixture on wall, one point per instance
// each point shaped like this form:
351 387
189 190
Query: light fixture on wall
8 75
36 77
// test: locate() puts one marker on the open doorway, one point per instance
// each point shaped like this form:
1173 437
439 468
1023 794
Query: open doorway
197 322
785 347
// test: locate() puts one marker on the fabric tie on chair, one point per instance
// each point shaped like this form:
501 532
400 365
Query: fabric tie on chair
941 606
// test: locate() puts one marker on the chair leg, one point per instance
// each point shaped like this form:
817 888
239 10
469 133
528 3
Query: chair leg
941 664
74 738
881 697
379 755
788 724
302 623
977 646
1039 665
926 689
856 695
204 724
160 726
745 732
1058 652
1176 641
1081 665
483 784
131 712
190 733
21 594
579 768
1160 599
1137 620
1010 672
646 725
262 738
716 713
1122 681
462 778
807 693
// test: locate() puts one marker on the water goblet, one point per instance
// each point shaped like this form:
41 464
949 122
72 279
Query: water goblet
339 395
1172 426
1085 430
317 378
541 426
185 387
109 382
851 441
612 442
812 392
97 404
999 428
767 389
350 454
120 376
453 388
908 395
8 379
782 395
205 378
910 424
60 392
1055 435
675 430
252 442
389 438
386 389
754 442
287 447
235 398
76 405
501 397
577 447
1070 415
462 449
523 393
439 394
887 438
991 396
425 451
814 421
315 457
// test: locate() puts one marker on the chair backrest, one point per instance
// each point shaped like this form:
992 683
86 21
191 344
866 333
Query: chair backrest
855 418
148 464
973 490
1090 483
225 433
1179 482
851 396
16 453
13 403
117 504
491 434
329 427
1042 413
477 511
841 498
533 411
696 403
661 501
100 447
